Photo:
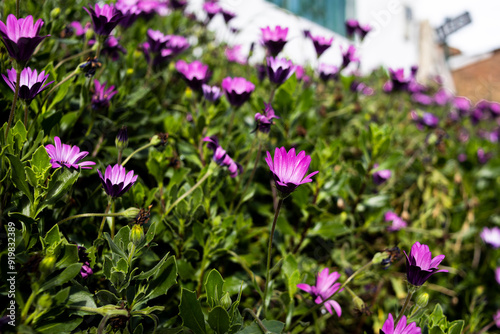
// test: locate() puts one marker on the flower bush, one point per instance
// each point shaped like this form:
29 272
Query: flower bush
140 192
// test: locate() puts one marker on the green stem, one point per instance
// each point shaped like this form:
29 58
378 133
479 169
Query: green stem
84 52
101 228
411 291
231 122
257 159
137 151
355 273
131 255
269 251
207 174
17 8
27 306
75 72
13 108
26 105
112 220
256 318
86 215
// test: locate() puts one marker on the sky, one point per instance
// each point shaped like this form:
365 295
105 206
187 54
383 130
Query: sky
482 35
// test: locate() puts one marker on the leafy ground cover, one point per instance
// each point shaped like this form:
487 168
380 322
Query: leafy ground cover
154 181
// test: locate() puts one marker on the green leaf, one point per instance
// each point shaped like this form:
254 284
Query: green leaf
80 296
114 248
154 271
40 162
122 238
107 297
60 327
213 287
436 315
456 327
191 313
218 319
70 256
273 327
52 237
163 279
62 179
17 137
18 176
68 274
61 93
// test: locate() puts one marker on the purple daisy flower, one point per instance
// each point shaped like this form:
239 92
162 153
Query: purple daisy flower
228 16
422 99
497 275
483 157
279 70
398 80
20 37
237 90
420 265
491 236
78 29
349 56
328 72
397 222
300 73
130 13
102 96
274 39
381 176
442 97
264 120
211 93
363 30
111 47
195 74
222 158
176 44
235 55
30 85
178 4
67 155
321 44
324 289
289 170
351 26
116 180
496 318
156 40
401 327
104 19
211 9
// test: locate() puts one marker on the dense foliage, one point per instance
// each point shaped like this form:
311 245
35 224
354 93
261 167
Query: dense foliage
176 240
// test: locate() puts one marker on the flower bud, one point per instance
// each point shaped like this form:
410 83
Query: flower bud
188 93
155 140
47 264
423 300
130 213
359 303
226 301
44 301
54 13
136 234
121 140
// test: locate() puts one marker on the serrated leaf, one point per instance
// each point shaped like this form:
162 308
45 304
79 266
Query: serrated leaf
52 237
218 319
18 176
213 287
163 279
191 313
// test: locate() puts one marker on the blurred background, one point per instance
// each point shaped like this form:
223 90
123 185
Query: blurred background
453 41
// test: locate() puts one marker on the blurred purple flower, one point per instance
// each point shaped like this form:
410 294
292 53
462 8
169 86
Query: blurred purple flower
237 90
67 155
195 74
349 56
111 47
324 289
321 44
211 93
261 71
104 19
102 96
279 70
497 275
274 39
363 30
496 318
211 9
401 327
30 84
289 171
427 120
398 81
462 157
228 16
78 29
301 75
130 12
156 40
491 236
462 104
264 120
442 97
483 157
116 181
397 222
422 99
83 257
351 26
176 44
222 158
381 176
328 72
420 265
235 55
178 4
20 36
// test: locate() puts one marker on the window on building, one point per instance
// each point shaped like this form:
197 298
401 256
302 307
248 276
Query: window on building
328 13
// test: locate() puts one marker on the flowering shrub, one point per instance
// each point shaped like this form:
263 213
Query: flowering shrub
148 188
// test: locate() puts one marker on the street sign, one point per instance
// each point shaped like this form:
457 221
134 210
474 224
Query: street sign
452 25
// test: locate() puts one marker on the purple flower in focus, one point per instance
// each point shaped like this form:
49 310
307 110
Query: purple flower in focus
211 8
328 72
83 257
264 120
20 36
237 90
491 236
195 74
102 96
222 158
351 26
321 44
116 180
279 70
30 84
420 265
349 56
228 16
78 29
324 289
67 155
401 327
274 40
104 19
289 170
483 157
111 47
211 93
381 176
397 222
235 55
